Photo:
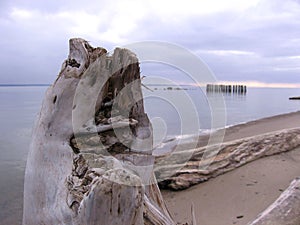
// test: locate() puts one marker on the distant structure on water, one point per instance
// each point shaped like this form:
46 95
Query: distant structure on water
221 88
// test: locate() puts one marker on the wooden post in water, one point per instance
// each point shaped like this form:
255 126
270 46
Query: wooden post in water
221 88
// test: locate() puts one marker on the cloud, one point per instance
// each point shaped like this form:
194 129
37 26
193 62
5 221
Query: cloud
238 39
227 52
262 84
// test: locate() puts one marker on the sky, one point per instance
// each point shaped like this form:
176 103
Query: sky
257 42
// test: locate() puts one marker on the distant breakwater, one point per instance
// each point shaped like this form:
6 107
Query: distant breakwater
221 88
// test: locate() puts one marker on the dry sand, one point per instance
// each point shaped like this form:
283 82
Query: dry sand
237 197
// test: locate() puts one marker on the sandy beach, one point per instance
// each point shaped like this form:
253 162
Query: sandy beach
237 197
233 198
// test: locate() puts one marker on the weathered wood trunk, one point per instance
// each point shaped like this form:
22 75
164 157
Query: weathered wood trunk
187 167
90 159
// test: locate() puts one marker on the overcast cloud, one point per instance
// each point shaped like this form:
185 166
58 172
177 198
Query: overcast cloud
240 40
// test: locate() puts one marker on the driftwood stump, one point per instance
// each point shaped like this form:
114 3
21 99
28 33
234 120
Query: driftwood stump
90 159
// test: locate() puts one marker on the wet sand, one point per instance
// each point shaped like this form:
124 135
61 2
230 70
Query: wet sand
237 197
262 126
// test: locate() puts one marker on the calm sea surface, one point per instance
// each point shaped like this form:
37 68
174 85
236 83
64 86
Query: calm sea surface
175 108
228 109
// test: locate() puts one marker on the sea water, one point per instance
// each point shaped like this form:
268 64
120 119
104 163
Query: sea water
19 106
226 108
174 108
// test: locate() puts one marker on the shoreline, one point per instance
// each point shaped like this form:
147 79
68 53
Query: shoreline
232 132
263 118
262 126
238 196
224 182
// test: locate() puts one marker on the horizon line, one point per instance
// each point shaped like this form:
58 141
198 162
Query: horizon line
16 85
255 84
259 84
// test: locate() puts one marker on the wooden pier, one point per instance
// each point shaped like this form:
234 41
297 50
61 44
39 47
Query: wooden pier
294 98
221 88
